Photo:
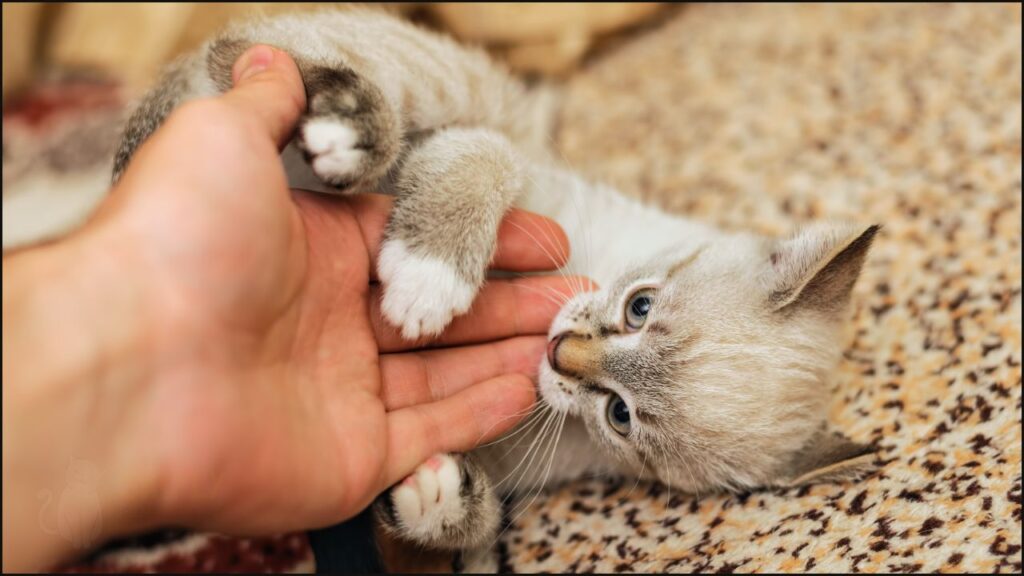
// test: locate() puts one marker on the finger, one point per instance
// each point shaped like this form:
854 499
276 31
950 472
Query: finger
526 241
502 309
268 87
456 424
530 242
426 376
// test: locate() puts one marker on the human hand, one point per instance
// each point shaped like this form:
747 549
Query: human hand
245 381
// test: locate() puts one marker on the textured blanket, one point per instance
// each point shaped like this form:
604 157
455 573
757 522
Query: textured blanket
769 116
765 117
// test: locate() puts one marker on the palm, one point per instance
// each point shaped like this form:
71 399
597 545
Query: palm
295 356
281 400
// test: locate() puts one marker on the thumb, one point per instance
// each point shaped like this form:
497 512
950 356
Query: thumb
268 87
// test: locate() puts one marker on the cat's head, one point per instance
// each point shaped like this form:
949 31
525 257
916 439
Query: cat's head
707 367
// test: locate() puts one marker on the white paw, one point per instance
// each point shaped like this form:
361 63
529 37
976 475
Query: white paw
428 499
421 294
332 145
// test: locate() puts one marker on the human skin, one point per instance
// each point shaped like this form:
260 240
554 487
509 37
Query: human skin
210 343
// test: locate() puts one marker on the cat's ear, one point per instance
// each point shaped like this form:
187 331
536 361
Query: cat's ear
828 457
817 267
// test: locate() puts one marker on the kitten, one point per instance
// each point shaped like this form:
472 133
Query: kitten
700 361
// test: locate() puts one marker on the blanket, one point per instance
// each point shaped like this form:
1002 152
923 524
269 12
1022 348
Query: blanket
765 117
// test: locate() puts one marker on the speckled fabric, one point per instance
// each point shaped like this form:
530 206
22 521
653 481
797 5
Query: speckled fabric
765 117
178 552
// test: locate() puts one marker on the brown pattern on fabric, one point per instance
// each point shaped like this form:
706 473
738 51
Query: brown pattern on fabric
771 116
766 117
181 552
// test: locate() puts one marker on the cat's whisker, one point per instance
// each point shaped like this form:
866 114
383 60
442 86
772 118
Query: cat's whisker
563 298
574 282
551 294
643 468
539 456
550 457
552 297
532 411
540 486
549 234
585 230
540 435
522 428
668 483
543 248
533 424
693 479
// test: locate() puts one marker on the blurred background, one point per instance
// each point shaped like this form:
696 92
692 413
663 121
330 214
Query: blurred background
70 69
132 41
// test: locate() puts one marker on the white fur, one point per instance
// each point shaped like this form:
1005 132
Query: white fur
332 145
421 294
609 232
429 498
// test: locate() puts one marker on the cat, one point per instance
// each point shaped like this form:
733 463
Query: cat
699 363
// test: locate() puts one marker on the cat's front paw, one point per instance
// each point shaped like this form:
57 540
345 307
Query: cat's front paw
421 293
429 501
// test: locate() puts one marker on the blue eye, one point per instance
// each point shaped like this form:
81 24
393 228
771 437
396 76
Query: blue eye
618 415
637 308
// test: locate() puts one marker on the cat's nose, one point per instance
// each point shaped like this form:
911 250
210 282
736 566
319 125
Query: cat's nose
553 350
575 355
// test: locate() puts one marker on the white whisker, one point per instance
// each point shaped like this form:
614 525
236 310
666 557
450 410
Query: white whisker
533 412
527 456
532 425
540 486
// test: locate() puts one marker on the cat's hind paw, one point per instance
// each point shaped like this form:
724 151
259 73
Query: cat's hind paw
350 135
332 147
429 500
421 294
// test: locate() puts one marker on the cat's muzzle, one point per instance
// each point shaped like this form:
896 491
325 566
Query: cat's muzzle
574 355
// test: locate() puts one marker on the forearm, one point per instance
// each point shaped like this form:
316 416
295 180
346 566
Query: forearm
73 360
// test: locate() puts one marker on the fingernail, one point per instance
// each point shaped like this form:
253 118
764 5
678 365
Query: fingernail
252 62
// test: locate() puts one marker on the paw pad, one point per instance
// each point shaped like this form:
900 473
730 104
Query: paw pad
429 498
331 144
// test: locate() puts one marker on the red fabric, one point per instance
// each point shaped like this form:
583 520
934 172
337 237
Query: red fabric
217 554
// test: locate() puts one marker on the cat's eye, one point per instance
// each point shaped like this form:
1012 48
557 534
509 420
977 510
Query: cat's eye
618 415
637 308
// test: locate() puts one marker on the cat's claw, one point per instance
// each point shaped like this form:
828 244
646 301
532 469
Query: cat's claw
421 294
429 499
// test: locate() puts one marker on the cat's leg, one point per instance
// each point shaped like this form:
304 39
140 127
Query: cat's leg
452 191
350 134
447 503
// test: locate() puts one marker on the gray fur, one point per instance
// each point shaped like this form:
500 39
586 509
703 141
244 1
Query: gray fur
726 380
452 192
155 107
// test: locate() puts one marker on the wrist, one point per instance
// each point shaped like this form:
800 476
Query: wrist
76 350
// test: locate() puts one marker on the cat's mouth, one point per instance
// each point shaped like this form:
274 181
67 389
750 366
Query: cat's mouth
555 389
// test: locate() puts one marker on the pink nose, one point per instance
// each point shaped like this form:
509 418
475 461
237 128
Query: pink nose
553 349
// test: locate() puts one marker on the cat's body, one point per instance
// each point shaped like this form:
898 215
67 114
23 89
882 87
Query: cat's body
700 361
